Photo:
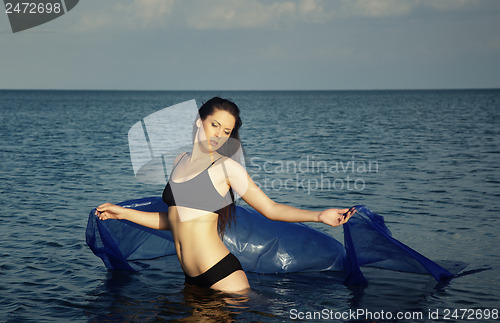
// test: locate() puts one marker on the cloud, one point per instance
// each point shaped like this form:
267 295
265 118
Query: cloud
376 8
249 14
126 15
447 5
146 13
401 8
238 14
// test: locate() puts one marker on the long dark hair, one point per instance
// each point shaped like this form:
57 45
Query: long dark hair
228 149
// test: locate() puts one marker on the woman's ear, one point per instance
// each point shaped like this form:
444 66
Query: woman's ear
198 127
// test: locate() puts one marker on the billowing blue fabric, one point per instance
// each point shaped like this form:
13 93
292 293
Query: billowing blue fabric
266 246
123 244
370 240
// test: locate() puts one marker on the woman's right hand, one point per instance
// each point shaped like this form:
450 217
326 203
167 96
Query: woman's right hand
109 211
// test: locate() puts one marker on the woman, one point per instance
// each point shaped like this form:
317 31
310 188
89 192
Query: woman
200 197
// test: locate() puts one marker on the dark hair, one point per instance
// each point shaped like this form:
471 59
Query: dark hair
229 149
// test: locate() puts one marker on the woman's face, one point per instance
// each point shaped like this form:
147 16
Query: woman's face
217 128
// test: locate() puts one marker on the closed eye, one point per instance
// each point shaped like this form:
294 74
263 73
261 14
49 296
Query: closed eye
216 124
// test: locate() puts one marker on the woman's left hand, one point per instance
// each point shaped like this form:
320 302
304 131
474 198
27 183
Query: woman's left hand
336 217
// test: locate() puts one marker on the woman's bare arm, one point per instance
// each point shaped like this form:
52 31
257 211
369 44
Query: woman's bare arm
243 184
154 220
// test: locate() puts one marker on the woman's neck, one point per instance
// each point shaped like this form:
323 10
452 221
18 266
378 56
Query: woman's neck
199 153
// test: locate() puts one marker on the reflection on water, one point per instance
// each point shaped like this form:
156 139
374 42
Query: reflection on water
126 296
143 296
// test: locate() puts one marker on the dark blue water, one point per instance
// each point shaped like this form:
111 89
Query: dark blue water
428 161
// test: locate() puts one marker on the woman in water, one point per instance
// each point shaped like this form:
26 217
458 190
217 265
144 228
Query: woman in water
200 197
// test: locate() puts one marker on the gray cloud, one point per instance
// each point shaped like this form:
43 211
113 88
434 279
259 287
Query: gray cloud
231 14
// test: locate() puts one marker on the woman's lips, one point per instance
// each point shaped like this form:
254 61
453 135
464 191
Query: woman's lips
213 143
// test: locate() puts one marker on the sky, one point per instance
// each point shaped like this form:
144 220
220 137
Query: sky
258 45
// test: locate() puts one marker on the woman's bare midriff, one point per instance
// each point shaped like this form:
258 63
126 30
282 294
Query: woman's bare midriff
199 248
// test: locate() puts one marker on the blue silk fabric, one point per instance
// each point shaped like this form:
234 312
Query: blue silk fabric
266 246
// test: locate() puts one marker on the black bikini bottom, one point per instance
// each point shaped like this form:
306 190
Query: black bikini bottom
225 267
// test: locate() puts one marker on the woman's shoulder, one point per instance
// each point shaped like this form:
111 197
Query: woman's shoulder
179 157
227 161
231 165
235 174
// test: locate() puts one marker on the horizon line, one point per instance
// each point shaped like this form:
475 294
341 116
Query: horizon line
262 90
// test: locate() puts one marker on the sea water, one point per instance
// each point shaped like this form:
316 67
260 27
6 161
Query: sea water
428 161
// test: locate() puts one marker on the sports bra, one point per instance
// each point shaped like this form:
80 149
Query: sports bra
197 193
